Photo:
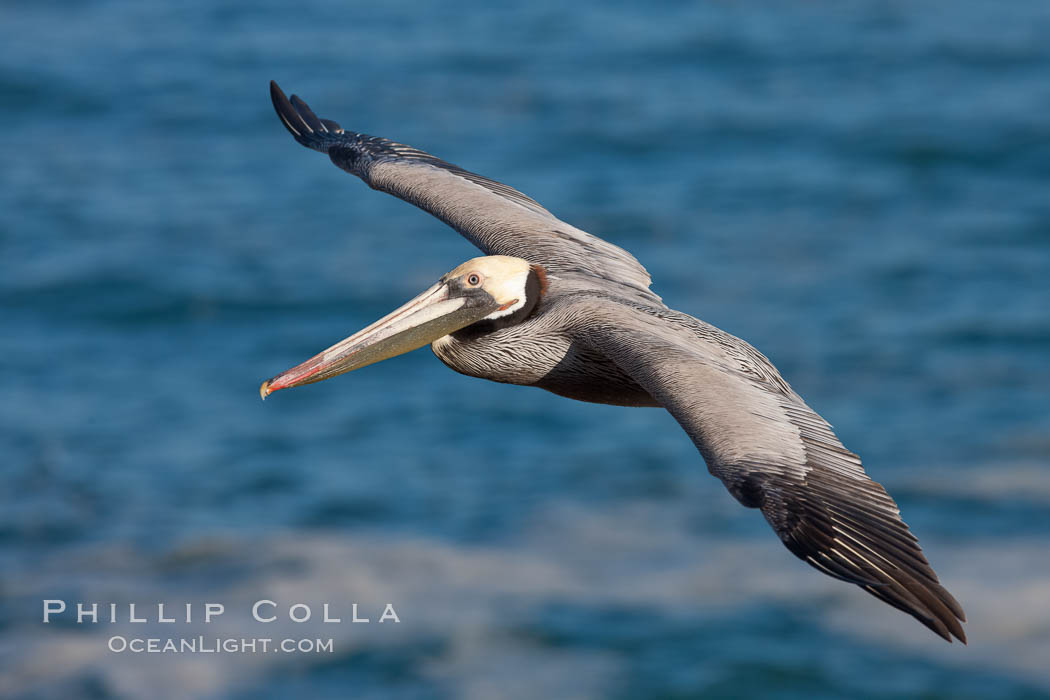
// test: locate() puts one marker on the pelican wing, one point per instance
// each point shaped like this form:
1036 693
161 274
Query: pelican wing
772 452
496 218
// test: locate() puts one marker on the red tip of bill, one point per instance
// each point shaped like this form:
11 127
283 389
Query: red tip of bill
293 377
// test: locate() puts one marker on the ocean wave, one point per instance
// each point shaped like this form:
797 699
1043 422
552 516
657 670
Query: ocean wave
478 618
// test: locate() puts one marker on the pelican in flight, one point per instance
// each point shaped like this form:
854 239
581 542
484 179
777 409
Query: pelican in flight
555 307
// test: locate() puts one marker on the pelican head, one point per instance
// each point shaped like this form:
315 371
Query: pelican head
491 291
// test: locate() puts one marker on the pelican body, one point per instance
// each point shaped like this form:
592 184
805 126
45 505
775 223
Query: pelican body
554 307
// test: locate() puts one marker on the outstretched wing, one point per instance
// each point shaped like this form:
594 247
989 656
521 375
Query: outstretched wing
772 452
496 218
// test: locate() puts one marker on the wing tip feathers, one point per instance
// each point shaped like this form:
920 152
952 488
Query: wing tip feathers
305 126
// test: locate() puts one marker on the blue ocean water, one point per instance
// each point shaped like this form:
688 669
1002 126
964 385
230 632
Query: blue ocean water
859 189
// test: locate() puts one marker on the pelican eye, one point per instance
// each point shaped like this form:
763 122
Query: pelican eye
474 280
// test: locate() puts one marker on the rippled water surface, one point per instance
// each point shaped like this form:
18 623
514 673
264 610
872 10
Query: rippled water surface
861 190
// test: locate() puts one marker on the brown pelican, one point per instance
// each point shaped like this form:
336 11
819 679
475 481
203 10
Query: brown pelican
554 307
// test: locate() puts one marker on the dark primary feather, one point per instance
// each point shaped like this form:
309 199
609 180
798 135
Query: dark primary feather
772 452
496 218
